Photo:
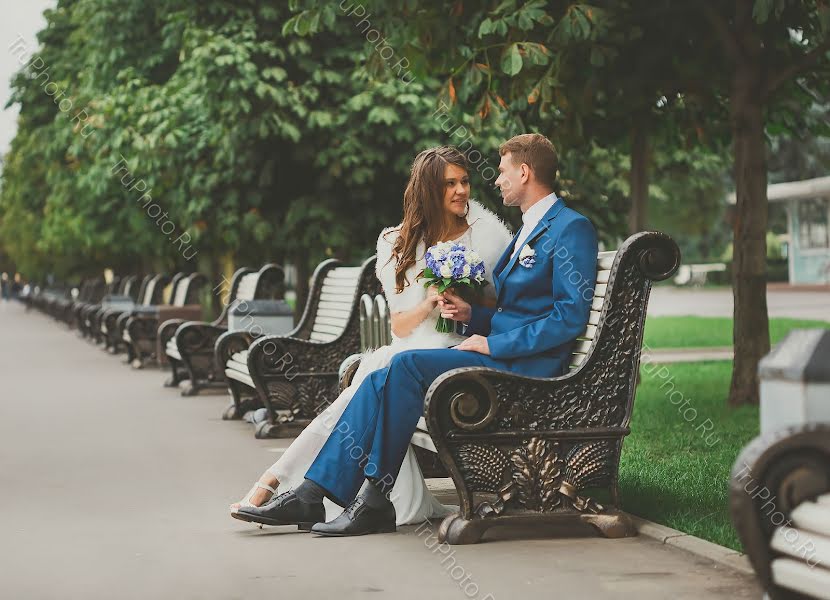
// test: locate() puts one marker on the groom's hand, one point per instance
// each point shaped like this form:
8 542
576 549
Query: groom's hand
475 343
454 307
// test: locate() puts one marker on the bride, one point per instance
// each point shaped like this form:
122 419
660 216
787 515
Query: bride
437 207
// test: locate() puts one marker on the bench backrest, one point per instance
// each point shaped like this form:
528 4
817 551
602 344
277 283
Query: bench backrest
337 299
331 311
268 283
154 290
605 260
187 291
376 326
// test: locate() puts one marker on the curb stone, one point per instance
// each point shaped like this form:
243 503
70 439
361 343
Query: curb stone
672 537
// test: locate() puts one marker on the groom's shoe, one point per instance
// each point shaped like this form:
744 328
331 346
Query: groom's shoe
359 518
285 509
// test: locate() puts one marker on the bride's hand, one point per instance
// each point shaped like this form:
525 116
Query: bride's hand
433 296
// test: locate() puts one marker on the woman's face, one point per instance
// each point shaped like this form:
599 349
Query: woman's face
456 190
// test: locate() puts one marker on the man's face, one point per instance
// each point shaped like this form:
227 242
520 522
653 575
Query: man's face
509 181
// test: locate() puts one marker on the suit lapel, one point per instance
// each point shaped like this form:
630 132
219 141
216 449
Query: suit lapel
541 227
503 260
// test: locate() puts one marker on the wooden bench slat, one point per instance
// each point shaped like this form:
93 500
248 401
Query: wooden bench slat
818 545
577 359
338 298
799 576
334 313
597 303
334 305
340 290
181 293
812 516
247 286
602 276
332 329
235 365
322 337
345 273
600 290
335 321
582 346
423 440
593 317
606 259
589 333
239 376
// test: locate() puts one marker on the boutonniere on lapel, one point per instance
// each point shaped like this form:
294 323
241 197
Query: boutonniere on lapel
527 257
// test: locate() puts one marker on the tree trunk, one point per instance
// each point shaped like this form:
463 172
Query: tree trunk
638 176
301 287
751 327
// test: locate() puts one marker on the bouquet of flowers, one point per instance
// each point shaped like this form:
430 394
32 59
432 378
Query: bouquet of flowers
452 265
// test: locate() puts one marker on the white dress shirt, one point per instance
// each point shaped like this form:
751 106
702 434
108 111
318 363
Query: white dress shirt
531 218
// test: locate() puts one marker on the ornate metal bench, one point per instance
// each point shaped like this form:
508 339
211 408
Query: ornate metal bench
780 504
89 300
125 295
141 328
189 345
294 375
113 319
525 450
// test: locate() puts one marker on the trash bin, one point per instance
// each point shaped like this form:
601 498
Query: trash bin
795 380
261 317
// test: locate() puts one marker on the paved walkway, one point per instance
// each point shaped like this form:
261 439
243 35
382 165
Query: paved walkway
113 487
679 355
717 302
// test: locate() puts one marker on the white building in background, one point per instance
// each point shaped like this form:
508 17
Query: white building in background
808 227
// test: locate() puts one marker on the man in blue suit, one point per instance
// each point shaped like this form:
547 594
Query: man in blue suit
544 284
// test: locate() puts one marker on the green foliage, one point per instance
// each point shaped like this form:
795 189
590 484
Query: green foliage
263 129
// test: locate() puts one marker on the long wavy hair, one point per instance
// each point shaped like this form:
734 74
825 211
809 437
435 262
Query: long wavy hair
424 216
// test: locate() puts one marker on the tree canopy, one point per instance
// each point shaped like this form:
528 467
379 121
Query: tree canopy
155 133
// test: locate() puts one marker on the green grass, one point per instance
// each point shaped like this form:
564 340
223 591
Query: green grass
669 473
700 332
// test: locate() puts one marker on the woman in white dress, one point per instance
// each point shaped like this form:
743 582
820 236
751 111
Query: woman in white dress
437 207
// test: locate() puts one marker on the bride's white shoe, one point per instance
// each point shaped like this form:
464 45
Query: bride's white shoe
246 501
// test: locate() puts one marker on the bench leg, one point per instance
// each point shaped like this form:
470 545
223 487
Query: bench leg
244 400
612 524
267 430
176 373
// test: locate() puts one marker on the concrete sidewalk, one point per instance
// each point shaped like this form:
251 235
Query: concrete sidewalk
717 302
113 487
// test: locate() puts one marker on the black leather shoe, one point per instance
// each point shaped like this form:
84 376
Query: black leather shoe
359 519
285 509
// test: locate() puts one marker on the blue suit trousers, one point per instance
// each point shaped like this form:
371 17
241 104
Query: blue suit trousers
373 434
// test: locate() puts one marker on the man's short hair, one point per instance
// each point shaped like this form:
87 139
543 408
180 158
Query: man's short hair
537 152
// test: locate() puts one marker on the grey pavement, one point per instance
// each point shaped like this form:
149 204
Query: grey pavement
717 302
113 487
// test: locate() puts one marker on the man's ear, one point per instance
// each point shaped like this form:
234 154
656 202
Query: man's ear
525 172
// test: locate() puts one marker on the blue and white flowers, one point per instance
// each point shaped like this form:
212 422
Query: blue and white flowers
527 257
452 265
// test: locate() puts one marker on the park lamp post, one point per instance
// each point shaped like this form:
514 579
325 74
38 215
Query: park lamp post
795 381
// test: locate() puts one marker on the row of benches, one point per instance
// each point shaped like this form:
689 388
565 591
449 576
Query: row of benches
518 449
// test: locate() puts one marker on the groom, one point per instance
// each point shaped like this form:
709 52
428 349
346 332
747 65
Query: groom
544 284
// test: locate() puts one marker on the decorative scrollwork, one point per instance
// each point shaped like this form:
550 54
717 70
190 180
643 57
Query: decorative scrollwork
537 474
539 478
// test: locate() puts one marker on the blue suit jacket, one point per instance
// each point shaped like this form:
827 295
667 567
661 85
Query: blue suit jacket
541 309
